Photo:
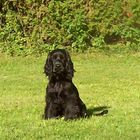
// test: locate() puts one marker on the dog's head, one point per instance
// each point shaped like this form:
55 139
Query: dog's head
59 64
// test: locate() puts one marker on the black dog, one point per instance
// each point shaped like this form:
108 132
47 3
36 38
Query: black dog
62 97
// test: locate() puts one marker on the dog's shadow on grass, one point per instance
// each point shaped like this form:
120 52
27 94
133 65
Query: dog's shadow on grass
98 111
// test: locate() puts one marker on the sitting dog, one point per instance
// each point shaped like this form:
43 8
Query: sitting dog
62 97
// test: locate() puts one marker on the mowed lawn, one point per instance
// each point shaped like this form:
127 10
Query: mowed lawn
105 83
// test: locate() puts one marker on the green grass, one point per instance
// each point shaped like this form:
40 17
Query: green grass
111 81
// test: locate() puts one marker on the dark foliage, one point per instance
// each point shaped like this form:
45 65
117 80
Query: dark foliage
37 26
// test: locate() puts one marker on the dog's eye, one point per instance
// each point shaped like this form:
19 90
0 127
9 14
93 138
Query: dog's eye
54 56
61 57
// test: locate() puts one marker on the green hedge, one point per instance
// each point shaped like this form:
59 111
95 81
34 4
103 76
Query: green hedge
37 26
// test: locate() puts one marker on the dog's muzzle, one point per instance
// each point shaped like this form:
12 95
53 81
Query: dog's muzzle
58 67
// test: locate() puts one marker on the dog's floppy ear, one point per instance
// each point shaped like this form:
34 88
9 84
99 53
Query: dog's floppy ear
48 66
69 67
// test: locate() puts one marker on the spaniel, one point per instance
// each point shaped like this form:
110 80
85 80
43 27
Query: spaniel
62 97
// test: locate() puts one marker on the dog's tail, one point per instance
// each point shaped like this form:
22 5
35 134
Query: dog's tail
101 113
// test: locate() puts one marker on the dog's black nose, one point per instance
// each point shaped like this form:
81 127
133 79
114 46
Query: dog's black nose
57 65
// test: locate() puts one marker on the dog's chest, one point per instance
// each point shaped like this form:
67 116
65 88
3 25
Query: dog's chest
56 92
56 88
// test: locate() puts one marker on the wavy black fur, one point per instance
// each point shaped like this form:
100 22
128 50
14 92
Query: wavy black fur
62 97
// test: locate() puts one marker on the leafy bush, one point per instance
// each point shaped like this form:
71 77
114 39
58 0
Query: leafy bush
37 26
